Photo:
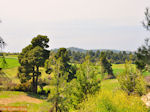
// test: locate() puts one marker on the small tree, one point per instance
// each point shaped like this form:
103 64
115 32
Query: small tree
86 83
3 77
106 66
59 81
131 80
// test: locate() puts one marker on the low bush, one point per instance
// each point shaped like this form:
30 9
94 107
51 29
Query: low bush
107 101
131 80
43 91
26 87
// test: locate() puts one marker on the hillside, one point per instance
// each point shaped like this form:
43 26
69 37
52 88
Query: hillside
94 50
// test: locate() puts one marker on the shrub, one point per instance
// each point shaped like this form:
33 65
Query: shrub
26 87
131 80
9 86
108 101
140 86
43 91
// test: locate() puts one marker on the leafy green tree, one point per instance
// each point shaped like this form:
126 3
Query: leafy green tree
86 83
131 80
62 54
106 66
87 77
31 58
59 81
3 76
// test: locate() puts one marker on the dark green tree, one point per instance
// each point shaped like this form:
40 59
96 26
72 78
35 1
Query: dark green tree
143 56
3 64
62 54
31 58
143 53
106 66
146 23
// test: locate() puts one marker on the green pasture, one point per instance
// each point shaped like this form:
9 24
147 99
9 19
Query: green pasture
10 63
12 56
32 106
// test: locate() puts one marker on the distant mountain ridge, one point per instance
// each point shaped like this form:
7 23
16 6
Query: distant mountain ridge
94 50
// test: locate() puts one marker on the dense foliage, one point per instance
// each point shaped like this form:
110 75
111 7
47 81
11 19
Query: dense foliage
31 58
116 101
131 80
113 57
106 66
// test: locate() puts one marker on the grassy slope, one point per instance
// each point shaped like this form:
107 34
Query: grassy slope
43 106
11 62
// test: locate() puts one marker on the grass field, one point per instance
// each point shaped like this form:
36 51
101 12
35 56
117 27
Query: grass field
34 103
11 62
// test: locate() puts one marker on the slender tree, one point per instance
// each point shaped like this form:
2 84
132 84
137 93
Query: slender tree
86 82
106 66
59 82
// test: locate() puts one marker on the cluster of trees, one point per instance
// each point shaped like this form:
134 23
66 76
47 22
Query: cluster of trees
68 91
8 53
113 57
71 82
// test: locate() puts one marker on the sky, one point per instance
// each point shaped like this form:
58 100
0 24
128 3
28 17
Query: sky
88 24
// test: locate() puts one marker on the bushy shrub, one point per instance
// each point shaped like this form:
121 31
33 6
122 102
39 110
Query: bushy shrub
108 101
131 80
43 91
9 86
26 87
140 87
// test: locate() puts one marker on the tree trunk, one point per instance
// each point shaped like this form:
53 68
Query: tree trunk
36 81
56 106
33 83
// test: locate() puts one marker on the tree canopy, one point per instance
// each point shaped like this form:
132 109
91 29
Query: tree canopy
31 58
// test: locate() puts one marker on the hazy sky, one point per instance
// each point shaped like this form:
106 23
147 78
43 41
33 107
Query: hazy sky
89 24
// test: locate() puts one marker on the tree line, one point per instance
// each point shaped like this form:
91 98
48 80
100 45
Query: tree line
113 57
